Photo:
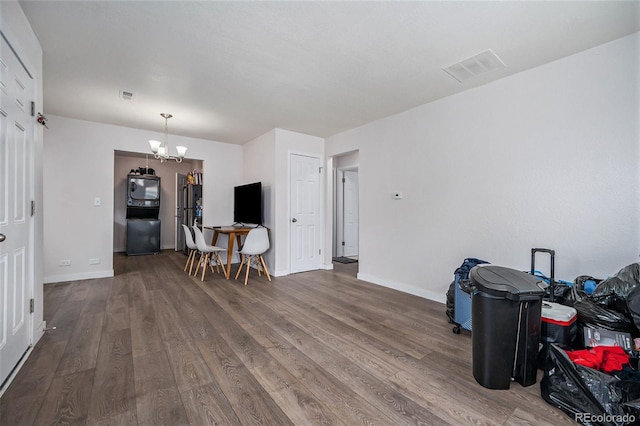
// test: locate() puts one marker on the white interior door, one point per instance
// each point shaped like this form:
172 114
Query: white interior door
350 233
305 220
16 136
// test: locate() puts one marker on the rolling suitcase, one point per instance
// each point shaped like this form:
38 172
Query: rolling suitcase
552 282
463 290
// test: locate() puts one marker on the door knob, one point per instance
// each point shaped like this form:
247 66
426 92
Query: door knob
294 220
2 238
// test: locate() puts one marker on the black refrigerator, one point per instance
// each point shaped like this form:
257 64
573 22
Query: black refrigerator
189 211
143 236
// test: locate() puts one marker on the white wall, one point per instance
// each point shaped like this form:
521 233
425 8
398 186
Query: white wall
259 166
79 166
18 32
266 159
545 158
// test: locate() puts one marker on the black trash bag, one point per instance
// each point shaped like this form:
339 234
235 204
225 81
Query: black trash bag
451 303
619 286
586 283
561 293
633 304
586 395
594 314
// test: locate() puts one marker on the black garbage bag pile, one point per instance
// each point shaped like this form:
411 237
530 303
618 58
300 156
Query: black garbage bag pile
614 304
589 396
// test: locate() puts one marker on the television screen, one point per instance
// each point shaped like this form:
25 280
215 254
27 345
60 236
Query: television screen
144 188
247 204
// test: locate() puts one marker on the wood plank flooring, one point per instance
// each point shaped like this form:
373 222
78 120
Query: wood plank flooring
153 346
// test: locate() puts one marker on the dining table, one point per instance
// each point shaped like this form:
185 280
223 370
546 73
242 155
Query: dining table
233 234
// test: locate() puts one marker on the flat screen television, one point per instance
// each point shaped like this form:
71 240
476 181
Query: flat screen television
247 204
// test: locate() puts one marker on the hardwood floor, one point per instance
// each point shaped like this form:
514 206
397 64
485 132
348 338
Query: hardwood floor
152 346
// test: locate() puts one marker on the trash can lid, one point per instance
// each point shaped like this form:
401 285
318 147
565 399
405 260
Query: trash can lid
506 282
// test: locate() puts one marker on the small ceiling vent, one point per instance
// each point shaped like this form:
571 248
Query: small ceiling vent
127 96
475 65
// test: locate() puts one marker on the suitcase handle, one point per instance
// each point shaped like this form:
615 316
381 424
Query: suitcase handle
552 281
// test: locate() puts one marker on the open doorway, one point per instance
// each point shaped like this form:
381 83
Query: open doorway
346 252
124 162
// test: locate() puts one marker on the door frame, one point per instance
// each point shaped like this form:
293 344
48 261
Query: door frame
33 150
339 208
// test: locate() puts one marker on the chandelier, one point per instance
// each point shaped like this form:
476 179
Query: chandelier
161 150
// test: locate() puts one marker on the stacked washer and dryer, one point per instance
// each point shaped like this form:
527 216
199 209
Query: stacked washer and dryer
143 208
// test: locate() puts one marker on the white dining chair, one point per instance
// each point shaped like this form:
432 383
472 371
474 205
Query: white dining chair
191 245
208 254
254 246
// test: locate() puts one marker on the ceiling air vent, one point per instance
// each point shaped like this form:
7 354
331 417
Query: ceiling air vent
126 95
475 65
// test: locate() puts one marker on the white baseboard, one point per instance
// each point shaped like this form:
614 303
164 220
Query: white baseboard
79 276
405 288
280 273
39 331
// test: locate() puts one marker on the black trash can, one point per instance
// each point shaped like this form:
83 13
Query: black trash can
505 311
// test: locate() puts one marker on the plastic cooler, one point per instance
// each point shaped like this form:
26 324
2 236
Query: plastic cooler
506 309
558 324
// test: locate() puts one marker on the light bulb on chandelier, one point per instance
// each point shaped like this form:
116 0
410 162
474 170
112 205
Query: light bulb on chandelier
161 150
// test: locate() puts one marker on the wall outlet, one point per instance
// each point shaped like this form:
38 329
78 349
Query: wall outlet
94 261
65 262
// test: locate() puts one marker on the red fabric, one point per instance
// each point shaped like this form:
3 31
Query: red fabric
605 358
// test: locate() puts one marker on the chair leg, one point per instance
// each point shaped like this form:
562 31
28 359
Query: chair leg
193 259
242 260
204 266
222 265
219 263
246 275
195 273
186 264
258 267
264 266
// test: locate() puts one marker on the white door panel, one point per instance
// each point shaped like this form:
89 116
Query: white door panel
305 214
15 217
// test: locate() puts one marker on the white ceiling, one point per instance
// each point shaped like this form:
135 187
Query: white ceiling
230 71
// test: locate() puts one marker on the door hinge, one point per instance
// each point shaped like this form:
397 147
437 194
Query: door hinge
33 109
319 251
33 207
31 306
319 169
343 180
343 243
